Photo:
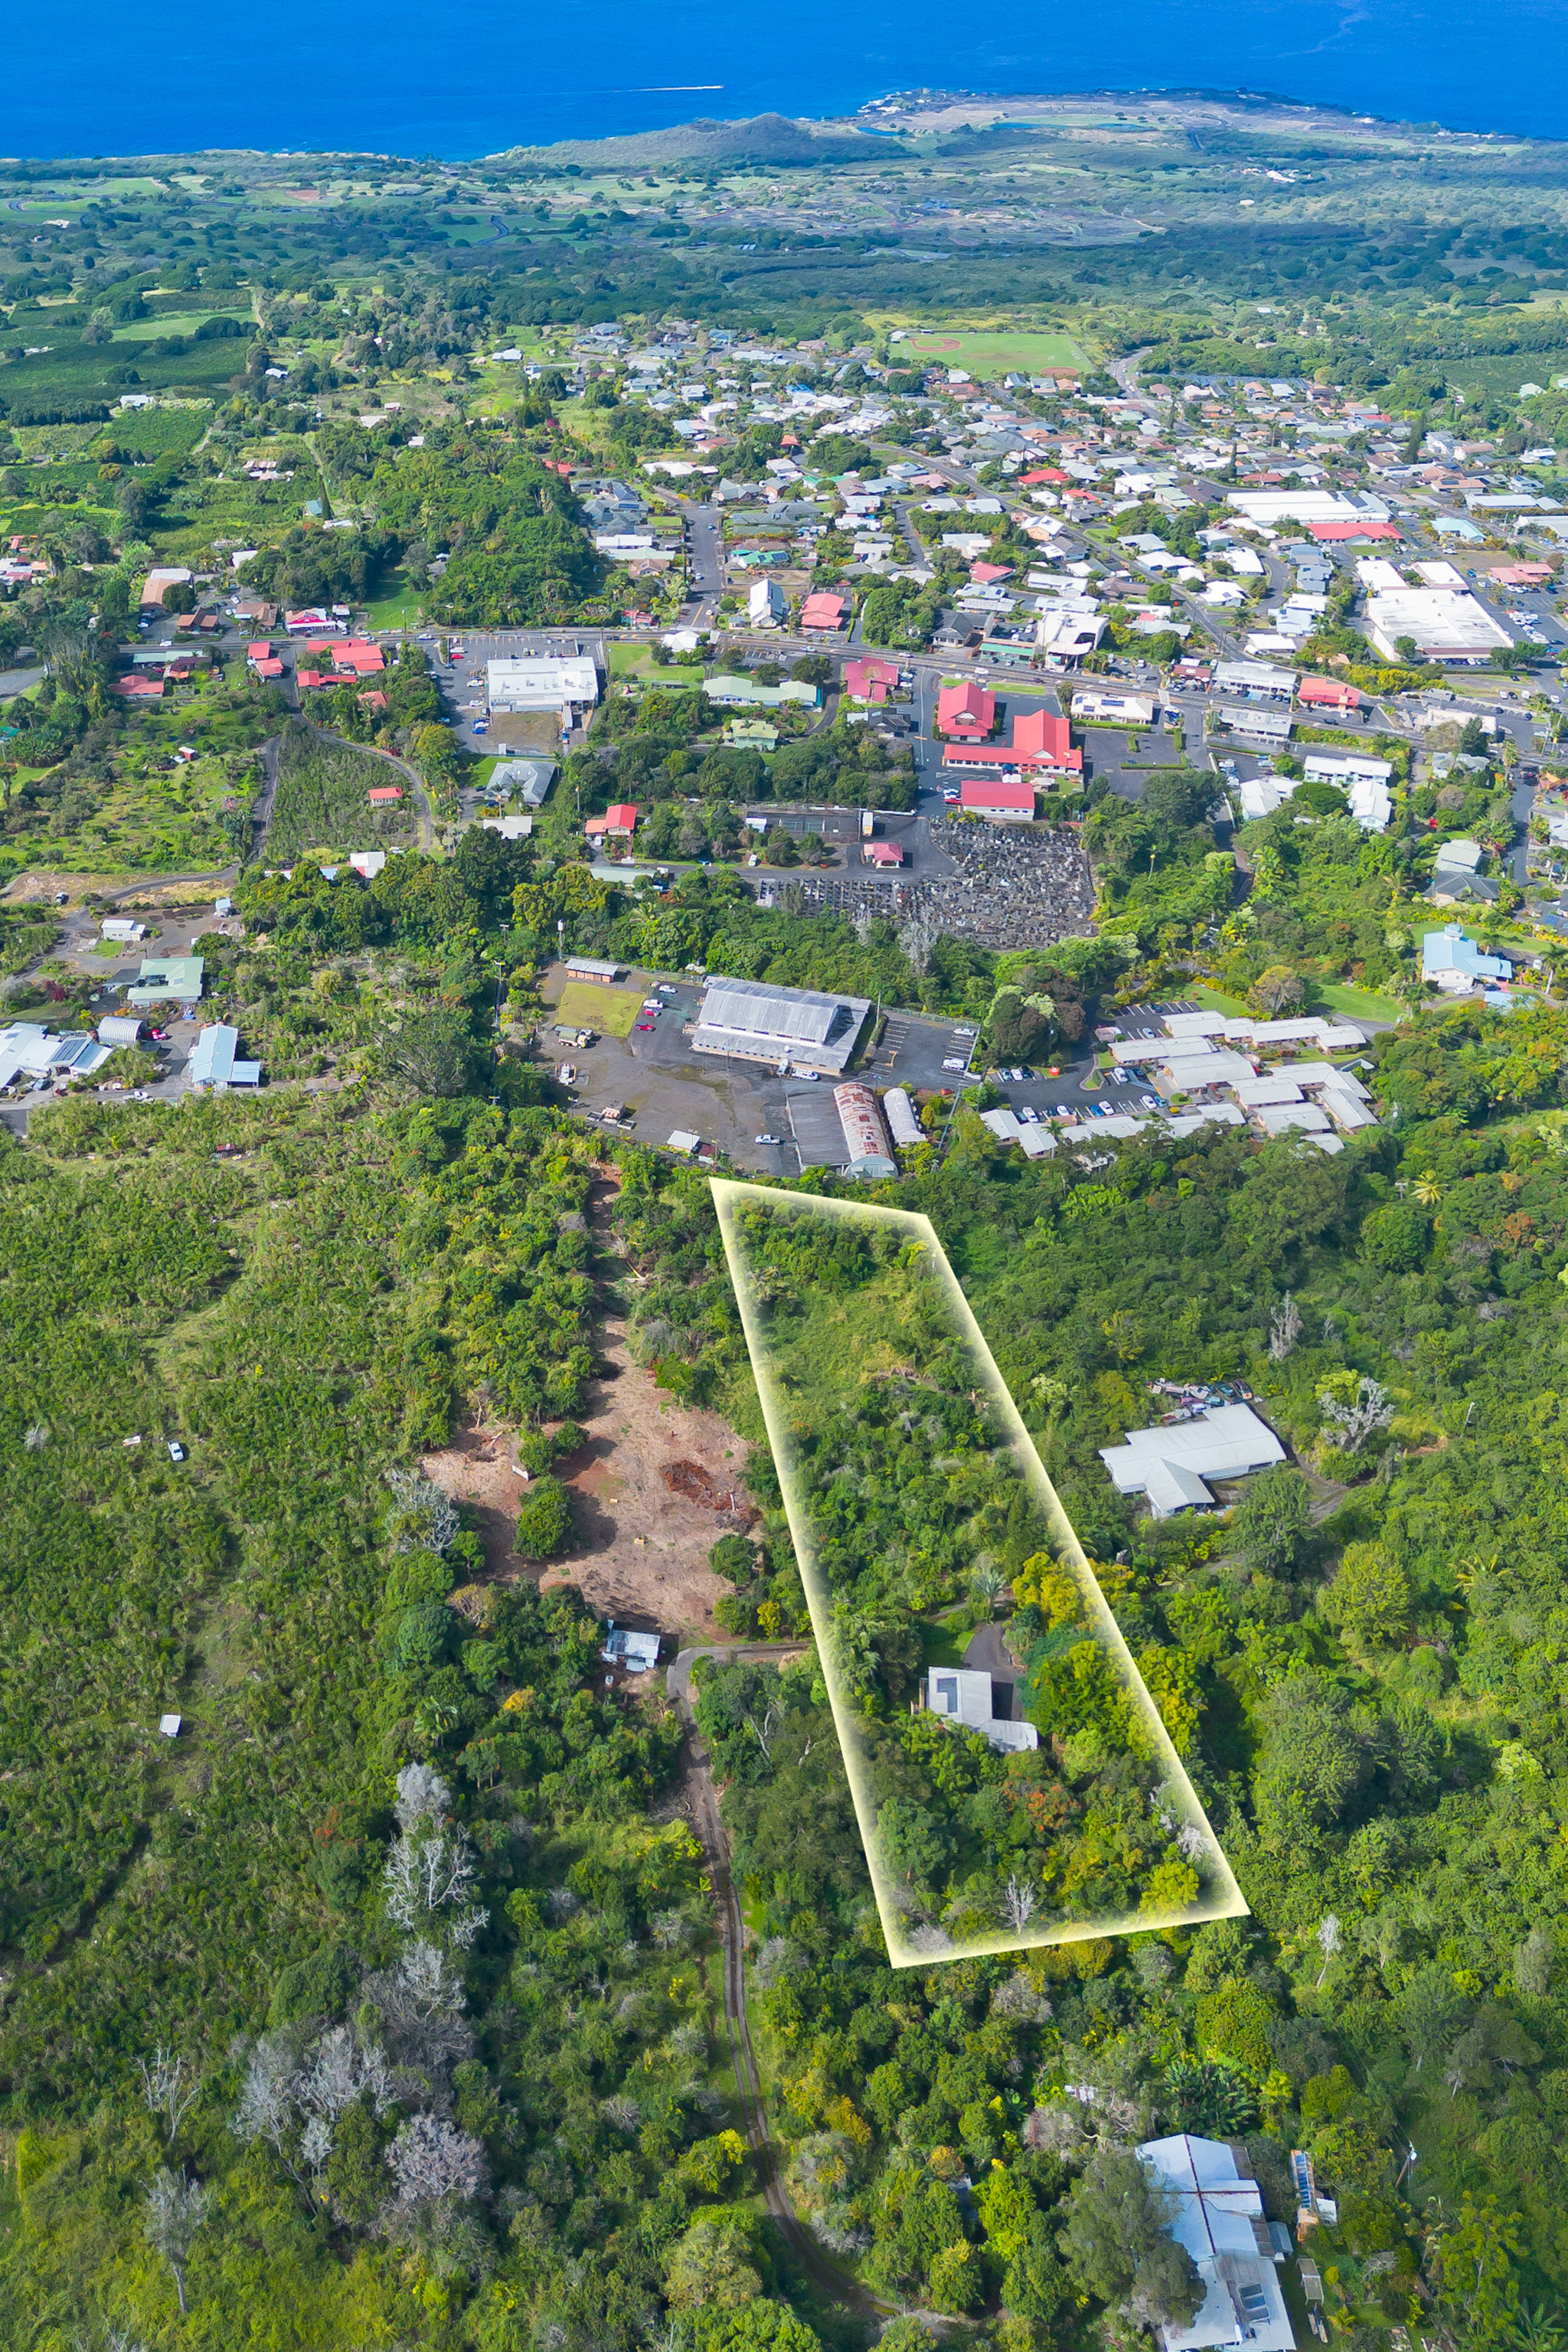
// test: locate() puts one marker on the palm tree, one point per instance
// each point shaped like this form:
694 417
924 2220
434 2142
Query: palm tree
1428 1191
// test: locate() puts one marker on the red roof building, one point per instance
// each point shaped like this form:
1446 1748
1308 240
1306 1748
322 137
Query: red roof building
870 680
1338 531
823 609
882 853
307 679
379 794
1039 473
259 652
965 710
360 656
140 689
985 574
373 700
1328 694
1041 739
272 668
1004 803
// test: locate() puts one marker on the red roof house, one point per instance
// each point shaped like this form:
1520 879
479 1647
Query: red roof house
870 680
823 609
1328 694
360 656
882 853
380 794
373 700
1337 531
965 710
985 574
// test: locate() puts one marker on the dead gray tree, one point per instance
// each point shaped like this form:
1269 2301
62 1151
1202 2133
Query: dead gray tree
176 2207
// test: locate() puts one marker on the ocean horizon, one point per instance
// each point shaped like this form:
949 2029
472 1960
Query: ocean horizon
406 84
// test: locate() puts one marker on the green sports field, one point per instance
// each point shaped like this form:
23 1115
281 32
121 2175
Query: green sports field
999 353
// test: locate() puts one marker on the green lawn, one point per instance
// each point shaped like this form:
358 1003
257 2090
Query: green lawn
997 351
1214 1000
637 661
612 1011
401 605
1361 1004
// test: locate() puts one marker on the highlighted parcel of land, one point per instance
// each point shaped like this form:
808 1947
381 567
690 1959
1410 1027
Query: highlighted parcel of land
1015 1783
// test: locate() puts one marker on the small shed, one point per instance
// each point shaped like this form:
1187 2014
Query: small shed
638 1653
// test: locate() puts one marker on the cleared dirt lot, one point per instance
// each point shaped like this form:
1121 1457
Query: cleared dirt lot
643 1543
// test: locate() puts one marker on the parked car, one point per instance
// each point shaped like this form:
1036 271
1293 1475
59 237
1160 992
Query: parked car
1062 1111
653 1004
773 1141
645 1025
955 1062
176 1450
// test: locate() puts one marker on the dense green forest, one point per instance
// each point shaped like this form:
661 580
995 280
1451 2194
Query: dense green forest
912 1504
385 2000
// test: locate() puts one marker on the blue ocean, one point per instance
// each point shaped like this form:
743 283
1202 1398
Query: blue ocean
91 76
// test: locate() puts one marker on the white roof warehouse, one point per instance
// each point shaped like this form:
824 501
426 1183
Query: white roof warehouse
757 1022
542 682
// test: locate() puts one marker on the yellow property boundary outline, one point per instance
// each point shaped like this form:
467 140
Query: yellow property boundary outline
1176 1794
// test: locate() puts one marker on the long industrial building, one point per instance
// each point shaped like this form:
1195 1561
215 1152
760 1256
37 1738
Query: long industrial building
864 1132
787 1027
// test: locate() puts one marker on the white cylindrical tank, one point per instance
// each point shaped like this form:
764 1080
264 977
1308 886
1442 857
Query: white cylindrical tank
902 1119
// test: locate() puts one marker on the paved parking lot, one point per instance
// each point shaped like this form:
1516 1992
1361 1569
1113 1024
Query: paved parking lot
463 683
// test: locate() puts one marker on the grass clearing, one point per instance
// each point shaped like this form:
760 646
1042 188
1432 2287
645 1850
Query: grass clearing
399 608
630 663
323 802
612 1011
1214 1000
993 352
1360 1003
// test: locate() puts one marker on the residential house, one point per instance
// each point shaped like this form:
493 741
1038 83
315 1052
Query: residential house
1456 965
968 1699
1175 1464
1215 2211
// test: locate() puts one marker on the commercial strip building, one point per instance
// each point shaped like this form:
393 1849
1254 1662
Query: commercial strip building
1445 624
564 682
1174 1464
788 1028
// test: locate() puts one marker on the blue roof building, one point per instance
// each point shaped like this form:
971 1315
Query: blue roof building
213 1063
1456 964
